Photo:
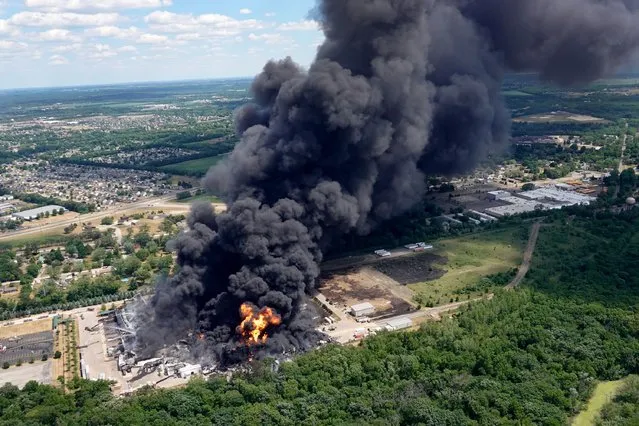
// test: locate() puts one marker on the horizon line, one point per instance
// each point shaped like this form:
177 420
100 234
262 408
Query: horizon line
186 80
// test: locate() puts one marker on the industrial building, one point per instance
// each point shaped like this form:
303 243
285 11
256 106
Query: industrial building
484 218
498 195
399 324
33 213
6 208
559 195
190 370
547 198
362 309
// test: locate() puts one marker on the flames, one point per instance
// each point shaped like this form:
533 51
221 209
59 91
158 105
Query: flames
254 323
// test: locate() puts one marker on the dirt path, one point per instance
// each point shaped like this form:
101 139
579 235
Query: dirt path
525 264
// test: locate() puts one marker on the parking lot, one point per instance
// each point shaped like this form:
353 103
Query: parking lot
19 376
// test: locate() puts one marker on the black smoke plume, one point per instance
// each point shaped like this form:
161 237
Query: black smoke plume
399 89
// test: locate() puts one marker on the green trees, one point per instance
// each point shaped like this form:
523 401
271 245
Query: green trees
183 195
109 220
529 356
9 269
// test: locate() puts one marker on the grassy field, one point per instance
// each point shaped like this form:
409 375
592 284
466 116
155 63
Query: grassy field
21 329
52 236
604 392
559 117
201 165
472 257
202 197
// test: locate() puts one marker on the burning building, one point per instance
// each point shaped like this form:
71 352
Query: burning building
399 89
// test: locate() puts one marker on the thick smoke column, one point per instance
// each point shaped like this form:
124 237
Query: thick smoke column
399 89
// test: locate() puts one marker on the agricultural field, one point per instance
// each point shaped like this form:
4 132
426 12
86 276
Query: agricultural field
468 260
199 166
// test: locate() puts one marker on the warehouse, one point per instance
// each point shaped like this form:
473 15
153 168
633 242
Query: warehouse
362 309
399 323
498 195
34 213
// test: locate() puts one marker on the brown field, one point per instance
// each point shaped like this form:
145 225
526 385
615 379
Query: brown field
36 326
412 268
366 284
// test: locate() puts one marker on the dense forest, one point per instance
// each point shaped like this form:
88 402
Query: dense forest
531 356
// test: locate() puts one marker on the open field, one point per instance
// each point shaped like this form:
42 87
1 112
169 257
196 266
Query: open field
558 117
604 393
51 236
203 197
365 284
40 371
472 257
412 269
201 165
37 326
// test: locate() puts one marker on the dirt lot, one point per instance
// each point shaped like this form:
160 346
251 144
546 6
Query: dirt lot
412 269
19 376
352 286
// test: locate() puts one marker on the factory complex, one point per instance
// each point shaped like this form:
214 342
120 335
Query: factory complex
545 198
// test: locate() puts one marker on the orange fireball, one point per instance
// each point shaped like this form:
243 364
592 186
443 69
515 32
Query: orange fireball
254 324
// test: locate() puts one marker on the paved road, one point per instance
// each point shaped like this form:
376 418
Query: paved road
150 202
525 265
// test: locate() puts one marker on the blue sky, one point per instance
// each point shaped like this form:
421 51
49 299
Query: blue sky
77 42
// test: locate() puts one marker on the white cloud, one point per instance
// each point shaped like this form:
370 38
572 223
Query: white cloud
43 19
67 48
78 5
58 60
188 36
152 39
12 45
128 48
269 14
211 24
114 32
246 11
7 28
269 38
305 25
55 34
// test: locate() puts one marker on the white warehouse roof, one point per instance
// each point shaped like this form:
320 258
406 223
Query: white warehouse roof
362 307
33 213
400 323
